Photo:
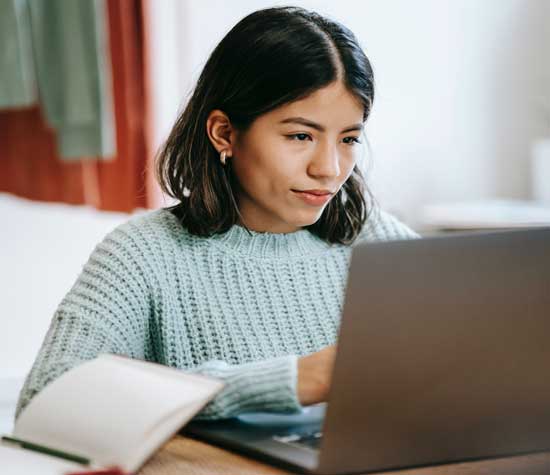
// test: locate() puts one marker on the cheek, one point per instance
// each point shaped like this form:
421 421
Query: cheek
261 177
346 166
277 175
249 177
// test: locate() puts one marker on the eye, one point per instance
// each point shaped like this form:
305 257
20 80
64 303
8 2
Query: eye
354 141
301 137
297 136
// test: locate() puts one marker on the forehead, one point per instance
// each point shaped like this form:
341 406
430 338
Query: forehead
332 106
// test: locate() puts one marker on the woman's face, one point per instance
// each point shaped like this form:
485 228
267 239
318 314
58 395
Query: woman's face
310 144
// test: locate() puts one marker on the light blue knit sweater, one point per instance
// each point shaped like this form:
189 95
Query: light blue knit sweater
237 307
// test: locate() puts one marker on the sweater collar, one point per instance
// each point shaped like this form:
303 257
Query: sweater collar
271 245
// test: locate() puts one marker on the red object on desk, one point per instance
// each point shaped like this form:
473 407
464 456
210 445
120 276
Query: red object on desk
103 471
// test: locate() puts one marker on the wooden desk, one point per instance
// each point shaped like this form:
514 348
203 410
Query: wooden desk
185 456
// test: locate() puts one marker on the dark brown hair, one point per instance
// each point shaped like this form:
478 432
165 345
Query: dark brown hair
270 58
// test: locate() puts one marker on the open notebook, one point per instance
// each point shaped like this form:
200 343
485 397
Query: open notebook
109 411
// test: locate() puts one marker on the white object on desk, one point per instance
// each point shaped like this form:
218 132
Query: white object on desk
112 411
17 461
485 214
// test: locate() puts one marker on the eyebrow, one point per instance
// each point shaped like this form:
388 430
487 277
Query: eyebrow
314 125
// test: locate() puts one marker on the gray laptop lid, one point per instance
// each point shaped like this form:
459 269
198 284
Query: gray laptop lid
444 352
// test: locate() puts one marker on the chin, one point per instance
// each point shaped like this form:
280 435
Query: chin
306 219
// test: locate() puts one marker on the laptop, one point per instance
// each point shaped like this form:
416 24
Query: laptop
443 356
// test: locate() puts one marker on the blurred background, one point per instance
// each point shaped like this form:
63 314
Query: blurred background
89 89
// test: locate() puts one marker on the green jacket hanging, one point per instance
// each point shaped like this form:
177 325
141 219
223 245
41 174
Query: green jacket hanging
57 52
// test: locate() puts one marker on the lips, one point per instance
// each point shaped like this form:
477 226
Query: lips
316 192
314 197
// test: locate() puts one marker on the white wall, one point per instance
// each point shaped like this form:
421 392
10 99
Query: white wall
458 88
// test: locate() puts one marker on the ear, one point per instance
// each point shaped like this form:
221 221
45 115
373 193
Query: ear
220 132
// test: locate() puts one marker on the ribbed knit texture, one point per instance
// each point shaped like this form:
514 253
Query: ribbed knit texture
235 306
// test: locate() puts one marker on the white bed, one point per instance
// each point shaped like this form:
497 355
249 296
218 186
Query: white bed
43 247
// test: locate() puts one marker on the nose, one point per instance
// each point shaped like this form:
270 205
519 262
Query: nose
325 163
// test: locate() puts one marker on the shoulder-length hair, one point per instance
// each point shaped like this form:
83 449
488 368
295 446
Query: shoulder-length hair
270 58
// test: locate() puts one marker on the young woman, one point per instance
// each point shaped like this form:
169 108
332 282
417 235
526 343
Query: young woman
244 278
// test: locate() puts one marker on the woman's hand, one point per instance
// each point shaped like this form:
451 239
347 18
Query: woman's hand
314 375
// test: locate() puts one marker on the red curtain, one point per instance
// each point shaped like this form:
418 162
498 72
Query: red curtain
29 164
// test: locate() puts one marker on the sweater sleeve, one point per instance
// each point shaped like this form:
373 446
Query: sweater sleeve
265 385
106 311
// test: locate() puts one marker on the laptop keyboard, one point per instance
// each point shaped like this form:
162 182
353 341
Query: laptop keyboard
310 440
